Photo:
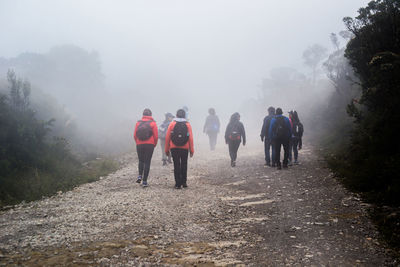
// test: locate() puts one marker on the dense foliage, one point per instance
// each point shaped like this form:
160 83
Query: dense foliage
373 157
31 165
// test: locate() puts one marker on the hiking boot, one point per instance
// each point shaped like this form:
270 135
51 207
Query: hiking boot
139 179
145 184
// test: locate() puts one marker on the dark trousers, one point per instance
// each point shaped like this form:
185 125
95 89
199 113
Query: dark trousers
233 149
278 143
145 152
290 150
212 136
269 150
295 144
180 158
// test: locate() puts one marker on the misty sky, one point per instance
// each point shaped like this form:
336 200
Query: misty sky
206 47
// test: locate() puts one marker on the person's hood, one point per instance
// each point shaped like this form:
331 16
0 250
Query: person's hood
179 119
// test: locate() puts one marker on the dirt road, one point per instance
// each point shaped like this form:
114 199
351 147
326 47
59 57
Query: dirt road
249 215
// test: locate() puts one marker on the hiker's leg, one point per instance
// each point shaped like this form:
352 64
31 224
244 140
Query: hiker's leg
273 152
235 149
148 154
278 151
213 140
163 155
139 150
231 150
286 146
177 165
267 146
184 159
295 144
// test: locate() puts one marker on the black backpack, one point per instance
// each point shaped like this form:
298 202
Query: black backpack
298 129
180 133
280 127
144 130
235 132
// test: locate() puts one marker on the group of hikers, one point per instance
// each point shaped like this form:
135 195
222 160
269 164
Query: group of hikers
279 131
176 138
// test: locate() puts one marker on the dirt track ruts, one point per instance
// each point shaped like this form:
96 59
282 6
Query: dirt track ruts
248 215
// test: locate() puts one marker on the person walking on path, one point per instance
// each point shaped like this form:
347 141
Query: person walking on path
269 148
280 132
179 140
297 134
211 128
146 136
162 132
233 136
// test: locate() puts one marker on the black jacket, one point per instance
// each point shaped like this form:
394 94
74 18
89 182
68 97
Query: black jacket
235 126
265 126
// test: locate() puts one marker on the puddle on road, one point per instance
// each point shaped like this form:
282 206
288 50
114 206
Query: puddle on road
243 197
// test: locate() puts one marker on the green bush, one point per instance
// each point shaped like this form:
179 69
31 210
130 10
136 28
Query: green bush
31 166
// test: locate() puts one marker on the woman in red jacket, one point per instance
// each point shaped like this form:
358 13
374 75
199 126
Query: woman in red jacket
179 140
146 136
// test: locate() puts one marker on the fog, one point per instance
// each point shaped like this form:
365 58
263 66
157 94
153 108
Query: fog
164 55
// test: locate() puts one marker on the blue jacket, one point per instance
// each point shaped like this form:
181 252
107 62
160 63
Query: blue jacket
272 126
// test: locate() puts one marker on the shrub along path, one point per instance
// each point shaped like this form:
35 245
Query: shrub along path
251 215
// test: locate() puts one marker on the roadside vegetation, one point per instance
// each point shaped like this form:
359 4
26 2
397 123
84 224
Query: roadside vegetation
33 162
363 148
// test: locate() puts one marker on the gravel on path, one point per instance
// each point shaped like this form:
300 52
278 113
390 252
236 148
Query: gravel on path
249 215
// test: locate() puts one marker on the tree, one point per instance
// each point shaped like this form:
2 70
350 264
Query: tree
374 53
338 69
312 56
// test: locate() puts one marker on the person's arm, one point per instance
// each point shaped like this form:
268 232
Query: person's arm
301 135
155 133
134 132
191 147
263 130
227 133
168 138
243 134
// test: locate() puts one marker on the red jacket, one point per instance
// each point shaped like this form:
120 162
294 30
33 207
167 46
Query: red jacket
169 144
154 138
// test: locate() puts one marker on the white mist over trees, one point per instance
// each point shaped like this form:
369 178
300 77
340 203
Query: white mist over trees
98 64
